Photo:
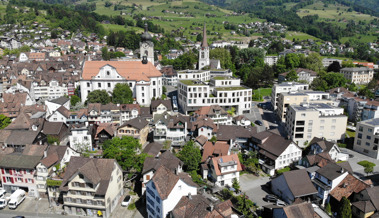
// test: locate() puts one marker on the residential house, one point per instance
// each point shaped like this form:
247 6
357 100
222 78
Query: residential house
274 151
57 130
224 169
152 164
18 169
105 131
169 76
366 203
295 210
11 104
361 108
216 113
160 106
319 145
165 190
129 111
303 75
173 128
204 126
91 185
154 149
199 206
62 114
292 185
94 113
214 149
137 128
54 104
241 120
237 136
55 159
82 137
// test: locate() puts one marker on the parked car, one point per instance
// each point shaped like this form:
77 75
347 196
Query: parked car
2 192
3 203
271 198
280 203
126 201
16 198
258 122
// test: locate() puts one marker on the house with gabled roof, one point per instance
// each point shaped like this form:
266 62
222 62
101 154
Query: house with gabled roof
91 185
160 106
320 145
224 169
137 128
366 203
165 190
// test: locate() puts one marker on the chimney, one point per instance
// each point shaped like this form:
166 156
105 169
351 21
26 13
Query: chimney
44 153
211 207
189 196
338 90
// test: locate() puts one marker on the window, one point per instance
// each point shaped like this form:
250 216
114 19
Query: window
369 130
109 85
143 88
360 129
180 187
88 85
108 73
358 142
99 85
368 143
359 135
368 137
153 83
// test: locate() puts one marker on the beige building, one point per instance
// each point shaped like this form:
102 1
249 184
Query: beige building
293 98
91 186
285 88
137 128
305 121
358 75
367 138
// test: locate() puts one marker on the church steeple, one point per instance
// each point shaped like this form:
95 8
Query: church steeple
204 44
147 46
204 51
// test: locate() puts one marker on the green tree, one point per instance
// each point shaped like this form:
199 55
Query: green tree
224 56
319 84
334 80
366 92
199 37
345 208
314 62
74 100
125 151
352 87
292 61
98 96
164 89
53 140
292 76
334 67
348 63
328 209
369 169
105 54
236 185
244 205
250 55
4 121
213 139
122 94
191 156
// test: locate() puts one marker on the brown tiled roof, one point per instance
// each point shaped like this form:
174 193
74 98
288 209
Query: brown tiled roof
299 183
138 123
165 180
4 134
35 55
204 122
168 71
201 140
22 121
109 107
130 107
145 112
52 128
22 137
34 150
155 103
153 148
320 159
64 111
225 159
176 121
94 106
272 144
299 210
166 159
227 132
61 100
97 170
348 186
331 171
325 145
130 70
108 127
373 193
220 148
210 110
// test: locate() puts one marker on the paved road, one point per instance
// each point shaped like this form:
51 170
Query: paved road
252 186
353 161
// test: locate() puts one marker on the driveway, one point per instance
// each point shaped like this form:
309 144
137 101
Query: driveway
353 161
252 186
255 114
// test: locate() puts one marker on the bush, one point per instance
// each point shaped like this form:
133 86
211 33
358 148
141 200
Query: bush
366 163
341 145
132 206
285 169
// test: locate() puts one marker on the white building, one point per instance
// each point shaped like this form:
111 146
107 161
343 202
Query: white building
328 61
358 75
143 78
271 60
367 138
81 138
49 91
54 104
283 88
204 51
319 145
165 190
306 121
224 169
227 92
202 75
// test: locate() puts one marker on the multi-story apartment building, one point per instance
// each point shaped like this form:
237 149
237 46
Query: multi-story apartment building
224 91
137 128
305 121
283 88
81 137
293 97
202 75
367 138
91 185
362 109
358 75
129 111
51 90
173 128
216 113
143 78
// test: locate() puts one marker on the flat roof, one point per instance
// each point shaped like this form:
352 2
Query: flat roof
374 122
231 88
192 82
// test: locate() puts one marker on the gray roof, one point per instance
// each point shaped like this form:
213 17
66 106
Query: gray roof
22 137
166 159
325 145
61 100
155 103
331 171
153 148
227 132
354 69
299 183
299 210
19 161
52 128
138 123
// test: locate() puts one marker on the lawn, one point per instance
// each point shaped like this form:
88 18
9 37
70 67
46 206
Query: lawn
350 133
299 35
115 28
263 91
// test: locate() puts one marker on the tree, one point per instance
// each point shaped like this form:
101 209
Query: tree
53 140
334 67
4 121
250 55
74 100
213 139
345 208
236 185
369 169
314 62
105 54
191 156
334 80
244 205
98 96
164 89
292 76
199 37
348 63
319 84
122 94
328 209
224 56
292 61
125 151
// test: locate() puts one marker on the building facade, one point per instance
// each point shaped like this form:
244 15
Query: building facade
367 138
358 75
283 88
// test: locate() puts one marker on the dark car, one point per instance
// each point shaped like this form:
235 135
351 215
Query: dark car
271 198
258 122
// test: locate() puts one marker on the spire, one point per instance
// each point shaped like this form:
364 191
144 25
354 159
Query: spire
146 29
146 35
204 44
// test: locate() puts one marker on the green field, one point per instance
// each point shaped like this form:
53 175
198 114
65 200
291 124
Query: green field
361 38
263 91
299 35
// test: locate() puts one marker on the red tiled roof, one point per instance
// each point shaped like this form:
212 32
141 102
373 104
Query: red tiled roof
225 159
221 148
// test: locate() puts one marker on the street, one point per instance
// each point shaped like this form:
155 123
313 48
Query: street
252 186
353 161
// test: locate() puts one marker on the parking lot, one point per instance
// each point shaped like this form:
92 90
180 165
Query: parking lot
252 186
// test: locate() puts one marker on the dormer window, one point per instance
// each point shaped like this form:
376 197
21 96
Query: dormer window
108 73
81 176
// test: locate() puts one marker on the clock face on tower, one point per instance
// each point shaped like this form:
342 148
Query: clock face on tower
145 45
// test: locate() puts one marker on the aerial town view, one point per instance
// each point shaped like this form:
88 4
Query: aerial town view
189 108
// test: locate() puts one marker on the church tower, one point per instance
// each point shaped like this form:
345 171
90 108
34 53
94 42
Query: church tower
204 51
147 46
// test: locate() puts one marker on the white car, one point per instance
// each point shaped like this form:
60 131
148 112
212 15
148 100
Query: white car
3 203
126 201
